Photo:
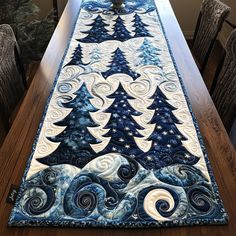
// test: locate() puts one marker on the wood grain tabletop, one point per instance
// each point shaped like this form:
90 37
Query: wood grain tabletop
18 143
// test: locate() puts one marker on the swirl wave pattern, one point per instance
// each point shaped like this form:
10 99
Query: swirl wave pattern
119 146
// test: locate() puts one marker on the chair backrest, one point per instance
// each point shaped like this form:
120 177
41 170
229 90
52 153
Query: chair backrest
12 86
211 18
224 95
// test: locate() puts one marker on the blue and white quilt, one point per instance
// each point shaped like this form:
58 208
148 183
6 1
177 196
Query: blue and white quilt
118 145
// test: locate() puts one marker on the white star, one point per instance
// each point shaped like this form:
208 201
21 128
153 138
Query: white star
115 115
124 105
168 145
127 128
122 101
159 127
178 136
187 155
164 133
121 140
114 149
171 131
159 137
130 133
114 130
132 155
149 158
127 146
155 144
124 117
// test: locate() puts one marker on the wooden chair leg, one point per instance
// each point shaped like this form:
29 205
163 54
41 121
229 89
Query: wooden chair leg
218 70
21 67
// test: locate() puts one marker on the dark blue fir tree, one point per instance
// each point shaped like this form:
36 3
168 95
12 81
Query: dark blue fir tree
122 126
77 56
119 65
120 31
167 148
75 140
149 55
140 27
97 33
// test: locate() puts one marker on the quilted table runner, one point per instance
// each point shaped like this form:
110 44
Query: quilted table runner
118 145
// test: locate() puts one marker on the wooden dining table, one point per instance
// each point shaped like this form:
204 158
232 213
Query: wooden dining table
18 143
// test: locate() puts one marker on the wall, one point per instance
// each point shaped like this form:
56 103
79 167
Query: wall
187 12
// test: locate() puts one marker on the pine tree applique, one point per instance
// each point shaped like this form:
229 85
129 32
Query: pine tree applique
75 140
149 55
119 65
97 33
167 148
140 29
77 57
122 126
120 31
95 56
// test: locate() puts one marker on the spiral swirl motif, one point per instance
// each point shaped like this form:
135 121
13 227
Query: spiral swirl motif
160 198
85 200
170 87
128 171
64 87
200 199
141 87
49 176
38 200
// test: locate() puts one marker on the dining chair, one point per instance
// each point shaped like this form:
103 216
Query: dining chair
210 21
224 95
12 77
